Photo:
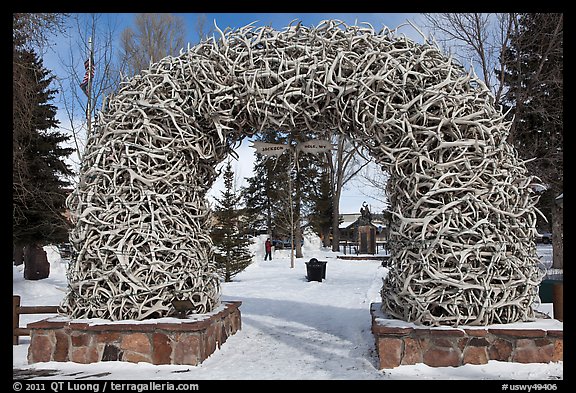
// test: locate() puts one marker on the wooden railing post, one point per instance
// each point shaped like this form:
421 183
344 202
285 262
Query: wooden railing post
15 318
17 309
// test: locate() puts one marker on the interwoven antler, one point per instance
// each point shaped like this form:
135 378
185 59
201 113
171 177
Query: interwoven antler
463 214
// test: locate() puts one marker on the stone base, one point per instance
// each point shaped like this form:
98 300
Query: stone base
158 341
404 343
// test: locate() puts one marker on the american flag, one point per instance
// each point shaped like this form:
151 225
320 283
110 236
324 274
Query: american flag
87 76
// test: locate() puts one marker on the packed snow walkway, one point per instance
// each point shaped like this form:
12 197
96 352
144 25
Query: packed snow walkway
300 329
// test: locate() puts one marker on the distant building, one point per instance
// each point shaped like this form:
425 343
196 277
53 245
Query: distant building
350 221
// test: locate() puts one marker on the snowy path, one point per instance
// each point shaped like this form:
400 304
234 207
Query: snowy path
322 328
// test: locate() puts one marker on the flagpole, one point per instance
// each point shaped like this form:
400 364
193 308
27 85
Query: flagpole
89 104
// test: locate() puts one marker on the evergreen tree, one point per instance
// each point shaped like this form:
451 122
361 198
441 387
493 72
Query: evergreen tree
39 171
320 218
285 193
231 254
534 82
312 197
265 190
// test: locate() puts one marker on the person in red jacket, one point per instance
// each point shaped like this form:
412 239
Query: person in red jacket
268 248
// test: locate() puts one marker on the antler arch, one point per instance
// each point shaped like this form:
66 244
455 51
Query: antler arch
463 214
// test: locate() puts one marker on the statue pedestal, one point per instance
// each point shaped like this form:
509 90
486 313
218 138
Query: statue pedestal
367 239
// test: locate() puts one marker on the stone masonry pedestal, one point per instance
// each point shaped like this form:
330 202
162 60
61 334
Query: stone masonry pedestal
164 341
403 343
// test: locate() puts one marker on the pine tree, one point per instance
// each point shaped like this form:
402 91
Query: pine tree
534 81
285 194
535 92
309 195
320 217
231 244
265 193
39 171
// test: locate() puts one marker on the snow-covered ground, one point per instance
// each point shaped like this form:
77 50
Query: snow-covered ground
292 329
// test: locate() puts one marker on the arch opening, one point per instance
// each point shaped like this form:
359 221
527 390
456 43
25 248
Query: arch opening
463 216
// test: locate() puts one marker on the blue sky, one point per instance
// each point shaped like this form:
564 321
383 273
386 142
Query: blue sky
356 193
279 20
237 20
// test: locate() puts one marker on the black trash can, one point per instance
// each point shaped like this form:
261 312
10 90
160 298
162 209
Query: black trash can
315 270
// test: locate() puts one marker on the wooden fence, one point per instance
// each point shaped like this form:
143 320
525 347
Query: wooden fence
352 247
17 309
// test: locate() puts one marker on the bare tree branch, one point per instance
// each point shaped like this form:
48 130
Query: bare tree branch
475 37
154 37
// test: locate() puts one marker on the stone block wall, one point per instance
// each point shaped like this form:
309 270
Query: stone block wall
446 346
185 341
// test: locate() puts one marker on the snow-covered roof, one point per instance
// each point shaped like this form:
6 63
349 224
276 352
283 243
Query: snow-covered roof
351 218
346 223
